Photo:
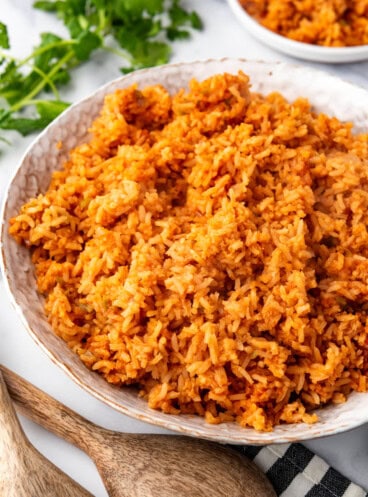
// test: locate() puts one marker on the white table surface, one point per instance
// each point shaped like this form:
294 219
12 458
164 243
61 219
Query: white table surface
222 36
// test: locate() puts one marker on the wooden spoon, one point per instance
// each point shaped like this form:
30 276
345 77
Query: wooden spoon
143 465
24 472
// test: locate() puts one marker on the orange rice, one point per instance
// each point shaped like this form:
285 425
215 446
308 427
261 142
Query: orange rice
211 247
333 23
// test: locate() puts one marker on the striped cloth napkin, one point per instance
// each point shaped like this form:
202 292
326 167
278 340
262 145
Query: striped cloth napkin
295 471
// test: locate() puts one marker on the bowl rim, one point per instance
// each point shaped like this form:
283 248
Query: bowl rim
167 421
294 48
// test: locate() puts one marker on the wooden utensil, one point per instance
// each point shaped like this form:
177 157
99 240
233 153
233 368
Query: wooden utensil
24 472
140 465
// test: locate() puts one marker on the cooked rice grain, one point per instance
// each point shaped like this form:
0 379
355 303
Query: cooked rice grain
331 23
212 248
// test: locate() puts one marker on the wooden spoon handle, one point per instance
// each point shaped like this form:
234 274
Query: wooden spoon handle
24 472
49 413
12 437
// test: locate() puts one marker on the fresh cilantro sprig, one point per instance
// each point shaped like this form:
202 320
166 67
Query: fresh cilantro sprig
140 31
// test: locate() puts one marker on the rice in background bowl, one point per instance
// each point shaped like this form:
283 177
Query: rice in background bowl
270 76
325 23
294 48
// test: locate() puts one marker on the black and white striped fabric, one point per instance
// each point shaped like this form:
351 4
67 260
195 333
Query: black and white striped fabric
295 471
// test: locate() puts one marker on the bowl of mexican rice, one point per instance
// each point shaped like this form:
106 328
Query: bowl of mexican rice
190 245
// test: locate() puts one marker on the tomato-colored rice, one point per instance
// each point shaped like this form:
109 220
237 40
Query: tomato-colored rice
212 248
331 23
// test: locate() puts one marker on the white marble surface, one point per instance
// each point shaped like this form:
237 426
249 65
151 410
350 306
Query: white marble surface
222 36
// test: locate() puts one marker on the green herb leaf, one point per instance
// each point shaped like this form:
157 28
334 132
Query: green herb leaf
23 125
48 56
62 77
12 85
180 17
74 27
47 5
151 54
4 38
4 115
144 53
50 109
137 7
177 34
47 111
142 28
100 4
9 74
77 7
87 43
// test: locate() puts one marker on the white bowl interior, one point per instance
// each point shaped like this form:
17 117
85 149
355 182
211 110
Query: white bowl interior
330 55
327 94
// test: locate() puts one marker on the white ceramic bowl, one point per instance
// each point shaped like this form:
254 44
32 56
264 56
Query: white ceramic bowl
307 51
326 93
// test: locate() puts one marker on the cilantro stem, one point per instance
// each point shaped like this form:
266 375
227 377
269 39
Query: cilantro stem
4 140
120 53
101 21
35 101
34 68
48 81
38 88
37 51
